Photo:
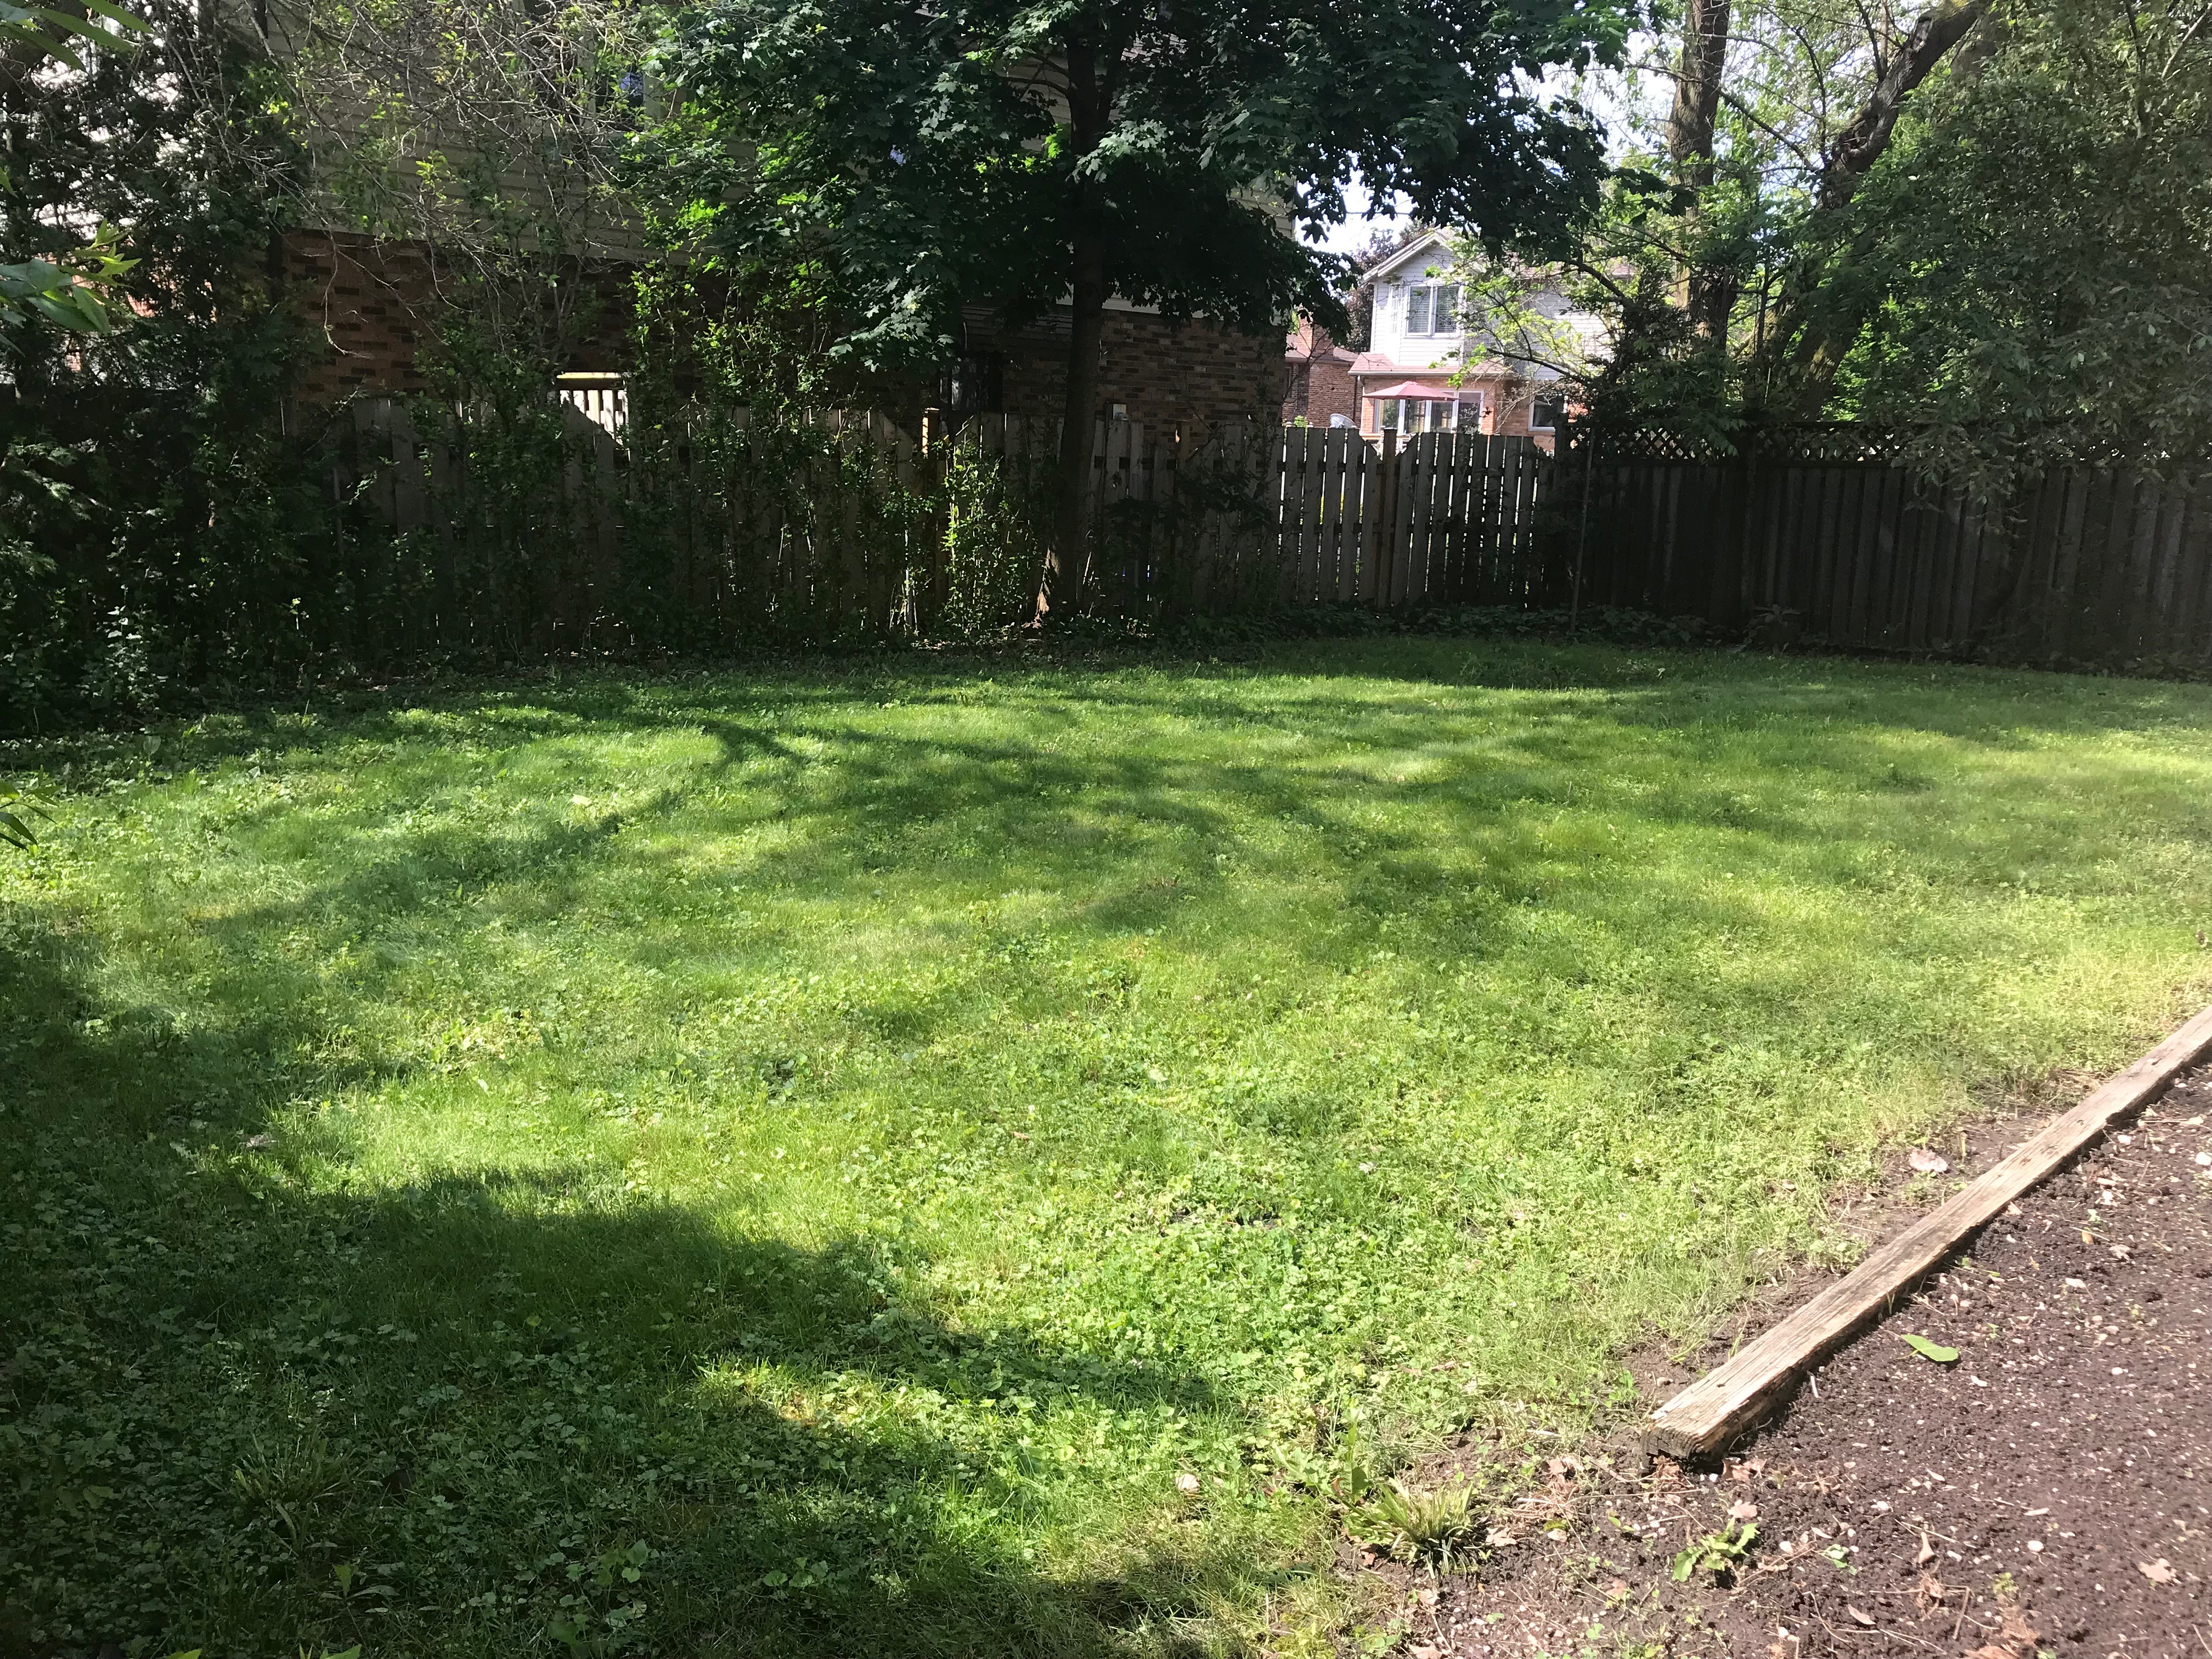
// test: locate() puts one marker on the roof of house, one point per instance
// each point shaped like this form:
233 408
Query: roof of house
1429 243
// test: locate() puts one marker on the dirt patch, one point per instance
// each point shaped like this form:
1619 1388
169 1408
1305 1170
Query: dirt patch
2050 1491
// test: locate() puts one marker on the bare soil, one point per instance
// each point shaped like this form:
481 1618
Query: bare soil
2047 1492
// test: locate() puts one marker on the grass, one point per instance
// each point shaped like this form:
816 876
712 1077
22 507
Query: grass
955 1158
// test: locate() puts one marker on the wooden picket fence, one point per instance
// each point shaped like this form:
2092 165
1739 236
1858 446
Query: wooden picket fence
707 530
716 529
1825 533
1263 517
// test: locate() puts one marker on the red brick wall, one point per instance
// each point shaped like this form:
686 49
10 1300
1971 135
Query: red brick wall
1321 385
375 307
370 304
1193 376
1330 390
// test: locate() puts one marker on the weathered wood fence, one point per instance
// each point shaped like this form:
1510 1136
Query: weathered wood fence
1825 534
715 527
710 529
1260 517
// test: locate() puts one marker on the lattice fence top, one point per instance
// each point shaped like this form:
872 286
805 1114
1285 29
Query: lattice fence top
1799 441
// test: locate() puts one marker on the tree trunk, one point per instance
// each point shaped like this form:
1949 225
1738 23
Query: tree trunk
1709 296
1812 333
1697 90
1860 144
1067 559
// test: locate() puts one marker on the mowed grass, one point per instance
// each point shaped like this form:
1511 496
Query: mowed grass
950 1159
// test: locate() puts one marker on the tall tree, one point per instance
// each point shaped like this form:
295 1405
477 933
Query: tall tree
2027 275
897 161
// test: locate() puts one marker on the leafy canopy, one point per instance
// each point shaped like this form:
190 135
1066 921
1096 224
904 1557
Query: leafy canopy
891 163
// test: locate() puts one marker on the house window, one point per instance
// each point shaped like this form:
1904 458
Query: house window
1432 308
1414 415
1546 414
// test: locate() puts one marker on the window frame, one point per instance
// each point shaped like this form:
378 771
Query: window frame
1426 295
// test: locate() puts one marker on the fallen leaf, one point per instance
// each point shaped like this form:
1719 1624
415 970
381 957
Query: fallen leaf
2088 1238
2016 1638
2120 1252
1499 1539
1427 1596
1860 1618
2157 1572
1186 1483
1743 1511
1422 1650
1928 1162
1927 1350
1927 1551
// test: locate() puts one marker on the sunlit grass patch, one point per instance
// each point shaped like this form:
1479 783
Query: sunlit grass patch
955 1158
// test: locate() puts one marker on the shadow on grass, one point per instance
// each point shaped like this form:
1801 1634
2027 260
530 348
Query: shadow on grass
255 1405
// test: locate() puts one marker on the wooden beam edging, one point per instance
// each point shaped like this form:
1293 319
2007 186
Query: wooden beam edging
1703 1417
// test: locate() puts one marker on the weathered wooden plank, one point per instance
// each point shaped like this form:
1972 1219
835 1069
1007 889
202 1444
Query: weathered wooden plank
1313 450
1429 453
1358 508
2191 562
1390 578
1527 552
1703 1417
1337 444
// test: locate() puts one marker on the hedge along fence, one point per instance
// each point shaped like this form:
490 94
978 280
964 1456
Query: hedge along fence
145 544
150 545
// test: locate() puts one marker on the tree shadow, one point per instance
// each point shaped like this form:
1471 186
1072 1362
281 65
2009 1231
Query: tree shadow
259 1398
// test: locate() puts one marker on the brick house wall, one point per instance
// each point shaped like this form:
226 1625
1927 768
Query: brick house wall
372 308
1192 375
1320 375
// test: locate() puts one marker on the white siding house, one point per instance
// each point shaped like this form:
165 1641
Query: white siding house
1423 372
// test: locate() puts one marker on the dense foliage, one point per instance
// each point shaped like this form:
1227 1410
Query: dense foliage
1990 223
892 166
2034 262
148 489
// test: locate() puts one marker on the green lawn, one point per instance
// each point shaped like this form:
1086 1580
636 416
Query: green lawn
807 1160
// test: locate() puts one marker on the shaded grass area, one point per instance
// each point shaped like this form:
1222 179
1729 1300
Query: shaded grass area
956 1158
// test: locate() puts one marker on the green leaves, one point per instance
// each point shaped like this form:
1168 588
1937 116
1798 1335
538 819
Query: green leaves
17 808
39 27
1927 1350
1717 1552
75 298
888 158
